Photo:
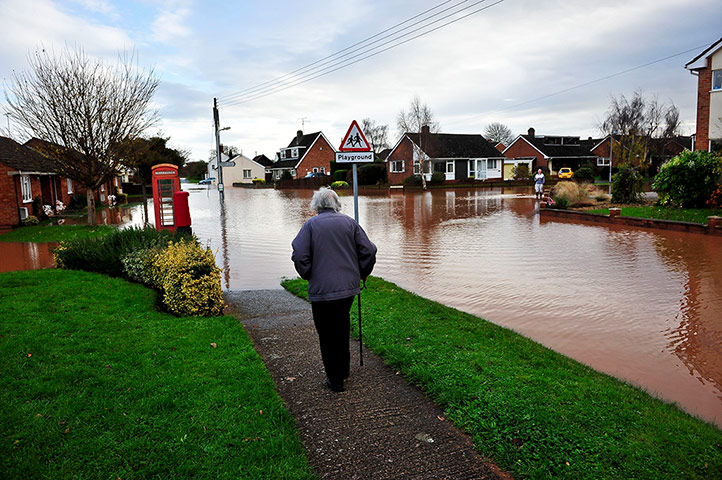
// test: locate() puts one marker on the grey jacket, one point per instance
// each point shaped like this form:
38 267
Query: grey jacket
333 253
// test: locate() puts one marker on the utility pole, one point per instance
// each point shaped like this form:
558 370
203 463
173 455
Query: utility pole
217 130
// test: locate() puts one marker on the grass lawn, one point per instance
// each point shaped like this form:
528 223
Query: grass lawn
536 413
696 215
54 233
95 383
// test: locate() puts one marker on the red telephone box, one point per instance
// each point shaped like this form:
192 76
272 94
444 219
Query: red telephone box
165 183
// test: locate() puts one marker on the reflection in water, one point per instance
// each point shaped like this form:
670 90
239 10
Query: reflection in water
643 305
25 256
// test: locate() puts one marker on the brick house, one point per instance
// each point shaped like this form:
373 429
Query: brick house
457 156
707 66
550 151
26 174
310 153
660 150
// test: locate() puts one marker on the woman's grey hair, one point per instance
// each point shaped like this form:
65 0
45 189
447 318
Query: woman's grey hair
324 199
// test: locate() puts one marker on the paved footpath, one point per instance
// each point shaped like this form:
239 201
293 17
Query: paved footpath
381 427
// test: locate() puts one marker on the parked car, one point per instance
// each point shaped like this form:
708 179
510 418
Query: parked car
565 173
314 174
206 181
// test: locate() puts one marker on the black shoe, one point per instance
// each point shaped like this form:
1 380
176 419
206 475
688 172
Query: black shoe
336 387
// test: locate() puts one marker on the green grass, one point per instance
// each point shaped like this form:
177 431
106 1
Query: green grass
534 412
696 215
95 383
54 233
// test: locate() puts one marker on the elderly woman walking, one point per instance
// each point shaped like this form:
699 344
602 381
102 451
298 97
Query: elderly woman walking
334 254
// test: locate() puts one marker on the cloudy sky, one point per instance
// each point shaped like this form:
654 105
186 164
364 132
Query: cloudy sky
503 64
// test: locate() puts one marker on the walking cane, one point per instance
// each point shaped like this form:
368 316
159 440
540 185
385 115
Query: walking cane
360 334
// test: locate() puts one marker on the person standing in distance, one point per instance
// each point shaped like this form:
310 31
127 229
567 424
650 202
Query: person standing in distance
334 254
539 183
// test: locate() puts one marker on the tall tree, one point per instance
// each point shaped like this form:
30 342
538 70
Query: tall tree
141 154
419 115
498 133
634 122
88 108
377 135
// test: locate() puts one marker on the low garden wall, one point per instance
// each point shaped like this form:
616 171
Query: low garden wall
714 227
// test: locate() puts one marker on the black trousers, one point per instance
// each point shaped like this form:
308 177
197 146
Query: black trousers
332 324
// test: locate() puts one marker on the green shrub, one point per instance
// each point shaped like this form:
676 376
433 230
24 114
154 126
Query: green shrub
31 220
340 175
413 180
688 179
121 198
138 265
626 185
521 172
369 174
189 279
286 175
584 174
78 202
104 254
339 184
438 178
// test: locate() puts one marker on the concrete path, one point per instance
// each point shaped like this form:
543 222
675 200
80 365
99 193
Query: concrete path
381 427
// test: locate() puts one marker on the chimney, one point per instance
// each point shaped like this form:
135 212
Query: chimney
299 136
425 130
531 132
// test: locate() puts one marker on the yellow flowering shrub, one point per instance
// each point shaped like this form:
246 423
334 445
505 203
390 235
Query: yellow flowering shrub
58 255
189 279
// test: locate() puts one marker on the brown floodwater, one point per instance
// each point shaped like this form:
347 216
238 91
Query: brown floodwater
25 256
643 305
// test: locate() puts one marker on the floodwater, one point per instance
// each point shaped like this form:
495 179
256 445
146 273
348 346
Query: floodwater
643 305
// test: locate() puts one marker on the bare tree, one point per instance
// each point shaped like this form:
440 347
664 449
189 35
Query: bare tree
635 122
87 108
414 120
377 135
498 133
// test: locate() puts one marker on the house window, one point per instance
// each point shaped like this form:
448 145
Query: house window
602 161
69 183
315 169
294 153
717 80
472 168
491 163
417 168
323 170
397 166
450 166
25 188
247 173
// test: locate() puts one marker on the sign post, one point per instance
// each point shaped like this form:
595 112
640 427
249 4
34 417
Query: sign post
355 149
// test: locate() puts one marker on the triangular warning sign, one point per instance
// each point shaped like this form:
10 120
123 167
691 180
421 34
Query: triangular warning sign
355 141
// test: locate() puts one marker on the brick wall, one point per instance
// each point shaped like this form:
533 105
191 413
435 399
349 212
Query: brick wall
320 154
404 152
8 202
704 85
522 148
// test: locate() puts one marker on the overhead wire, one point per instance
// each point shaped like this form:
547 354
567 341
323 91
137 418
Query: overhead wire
340 64
301 69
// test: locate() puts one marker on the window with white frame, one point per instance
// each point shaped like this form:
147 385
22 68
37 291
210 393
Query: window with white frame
323 170
472 168
491 163
602 161
247 173
315 169
449 166
717 80
69 183
396 166
26 188
417 168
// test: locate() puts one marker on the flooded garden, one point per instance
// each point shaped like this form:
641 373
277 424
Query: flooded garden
643 305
